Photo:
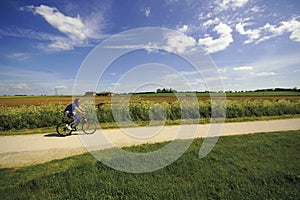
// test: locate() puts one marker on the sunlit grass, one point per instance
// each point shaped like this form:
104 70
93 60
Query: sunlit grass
255 166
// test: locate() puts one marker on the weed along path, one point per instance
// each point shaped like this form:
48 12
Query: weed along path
22 150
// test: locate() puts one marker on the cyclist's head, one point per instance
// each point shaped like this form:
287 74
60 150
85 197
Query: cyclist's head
77 101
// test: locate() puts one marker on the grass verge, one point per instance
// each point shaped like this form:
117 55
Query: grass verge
255 166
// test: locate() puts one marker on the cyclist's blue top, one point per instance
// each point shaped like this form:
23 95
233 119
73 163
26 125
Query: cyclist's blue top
71 107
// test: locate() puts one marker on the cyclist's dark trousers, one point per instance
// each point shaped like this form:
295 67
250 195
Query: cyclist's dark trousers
75 117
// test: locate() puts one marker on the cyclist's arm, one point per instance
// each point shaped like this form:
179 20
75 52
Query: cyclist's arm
80 110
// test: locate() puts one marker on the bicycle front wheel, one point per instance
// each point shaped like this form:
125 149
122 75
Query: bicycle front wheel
62 129
89 128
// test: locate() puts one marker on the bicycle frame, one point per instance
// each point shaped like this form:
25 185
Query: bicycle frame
86 126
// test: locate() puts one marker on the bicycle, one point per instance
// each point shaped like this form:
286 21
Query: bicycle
85 125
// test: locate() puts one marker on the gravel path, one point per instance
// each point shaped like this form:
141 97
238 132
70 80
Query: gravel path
23 150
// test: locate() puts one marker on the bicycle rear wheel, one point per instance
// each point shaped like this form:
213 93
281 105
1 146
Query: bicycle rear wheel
62 129
89 127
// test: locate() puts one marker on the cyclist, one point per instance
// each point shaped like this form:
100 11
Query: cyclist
70 112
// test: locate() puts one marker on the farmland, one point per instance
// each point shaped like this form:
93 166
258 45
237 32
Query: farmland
264 166
19 113
154 97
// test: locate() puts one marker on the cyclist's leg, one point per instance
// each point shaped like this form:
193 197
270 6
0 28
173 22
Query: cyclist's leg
71 116
76 120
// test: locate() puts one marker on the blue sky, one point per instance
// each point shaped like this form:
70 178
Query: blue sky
253 43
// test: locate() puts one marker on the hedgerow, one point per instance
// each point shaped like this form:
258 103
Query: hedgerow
47 115
30 117
147 110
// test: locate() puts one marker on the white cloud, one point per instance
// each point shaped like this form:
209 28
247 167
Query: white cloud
61 44
251 34
269 31
292 26
178 43
170 2
265 74
211 22
94 25
13 86
28 33
257 9
231 4
71 26
60 87
19 56
149 47
214 45
184 28
147 11
203 16
76 30
243 68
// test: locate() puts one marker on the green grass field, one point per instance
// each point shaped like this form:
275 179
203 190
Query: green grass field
256 166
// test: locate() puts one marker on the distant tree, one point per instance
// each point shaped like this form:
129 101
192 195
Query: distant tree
165 90
107 94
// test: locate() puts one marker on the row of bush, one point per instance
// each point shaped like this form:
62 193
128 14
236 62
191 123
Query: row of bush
146 110
30 117
47 115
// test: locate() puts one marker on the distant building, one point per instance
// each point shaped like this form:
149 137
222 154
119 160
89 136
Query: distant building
90 94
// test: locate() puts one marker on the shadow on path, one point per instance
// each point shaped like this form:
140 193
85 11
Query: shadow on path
56 135
52 135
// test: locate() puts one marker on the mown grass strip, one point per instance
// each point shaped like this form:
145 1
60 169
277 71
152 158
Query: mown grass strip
255 166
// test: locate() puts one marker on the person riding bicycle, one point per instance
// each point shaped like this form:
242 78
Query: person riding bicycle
70 112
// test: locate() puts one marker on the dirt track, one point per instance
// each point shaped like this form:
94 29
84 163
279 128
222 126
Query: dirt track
17 151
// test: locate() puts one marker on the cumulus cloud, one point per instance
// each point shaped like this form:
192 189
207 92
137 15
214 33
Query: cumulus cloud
179 43
214 45
76 30
251 34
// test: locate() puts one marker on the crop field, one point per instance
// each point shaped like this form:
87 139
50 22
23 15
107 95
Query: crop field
255 166
154 97
19 113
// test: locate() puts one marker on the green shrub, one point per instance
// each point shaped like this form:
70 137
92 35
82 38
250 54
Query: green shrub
47 115
29 117
259 108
